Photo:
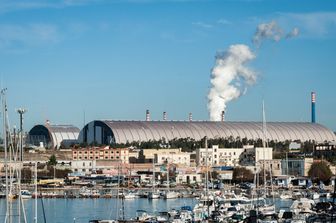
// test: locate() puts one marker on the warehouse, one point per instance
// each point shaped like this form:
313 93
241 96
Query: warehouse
53 136
107 131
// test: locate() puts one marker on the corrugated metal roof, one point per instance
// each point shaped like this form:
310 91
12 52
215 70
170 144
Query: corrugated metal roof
124 131
56 133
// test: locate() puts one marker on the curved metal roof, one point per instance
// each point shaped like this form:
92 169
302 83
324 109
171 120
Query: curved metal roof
56 133
128 131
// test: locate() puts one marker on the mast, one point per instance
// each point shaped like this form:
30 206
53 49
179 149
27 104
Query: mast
264 142
153 180
207 176
167 175
35 219
4 111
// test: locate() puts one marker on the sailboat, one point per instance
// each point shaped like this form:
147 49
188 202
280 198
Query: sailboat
129 195
154 194
15 210
267 209
169 194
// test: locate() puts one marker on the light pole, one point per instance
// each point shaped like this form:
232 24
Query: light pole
21 111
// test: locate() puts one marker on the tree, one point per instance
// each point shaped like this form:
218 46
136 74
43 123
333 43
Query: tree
52 160
241 174
320 171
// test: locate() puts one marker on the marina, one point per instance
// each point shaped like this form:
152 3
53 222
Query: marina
232 204
167 111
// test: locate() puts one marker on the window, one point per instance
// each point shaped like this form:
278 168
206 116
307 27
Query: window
75 152
83 164
215 156
106 157
117 157
106 152
85 157
234 153
85 152
89 164
194 178
96 157
83 170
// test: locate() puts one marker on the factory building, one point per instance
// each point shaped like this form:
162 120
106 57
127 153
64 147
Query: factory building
107 132
53 136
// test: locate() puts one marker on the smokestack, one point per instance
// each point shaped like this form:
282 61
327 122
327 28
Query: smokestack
222 116
164 116
313 100
147 115
190 117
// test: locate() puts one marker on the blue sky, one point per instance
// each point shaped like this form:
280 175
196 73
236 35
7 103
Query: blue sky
114 59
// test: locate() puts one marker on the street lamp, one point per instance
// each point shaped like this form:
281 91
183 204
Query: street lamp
21 111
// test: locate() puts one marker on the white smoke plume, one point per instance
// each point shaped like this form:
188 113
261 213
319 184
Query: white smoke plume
269 30
273 32
229 78
294 33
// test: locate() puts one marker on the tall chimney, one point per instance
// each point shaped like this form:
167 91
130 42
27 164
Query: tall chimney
222 116
147 115
190 117
313 100
164 116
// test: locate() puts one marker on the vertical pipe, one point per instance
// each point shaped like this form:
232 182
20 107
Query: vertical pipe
313 100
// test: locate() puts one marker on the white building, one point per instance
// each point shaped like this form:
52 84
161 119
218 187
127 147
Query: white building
263 153
232 156
219 156
83 166
173 157
188 178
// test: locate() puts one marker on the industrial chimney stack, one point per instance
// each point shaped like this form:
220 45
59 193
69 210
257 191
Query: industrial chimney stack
164 116
190 117
313 100
147 115
222 116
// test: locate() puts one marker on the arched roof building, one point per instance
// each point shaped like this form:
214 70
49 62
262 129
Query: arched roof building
53 136
106 132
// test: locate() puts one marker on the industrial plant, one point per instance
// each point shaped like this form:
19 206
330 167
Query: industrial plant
107 132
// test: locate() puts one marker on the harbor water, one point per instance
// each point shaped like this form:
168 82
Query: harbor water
83 210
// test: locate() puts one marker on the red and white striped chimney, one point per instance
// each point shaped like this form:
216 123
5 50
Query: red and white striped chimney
190 117
147 115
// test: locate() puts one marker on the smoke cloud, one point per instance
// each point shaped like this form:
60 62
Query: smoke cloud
269 30
272 31
295 32
229 78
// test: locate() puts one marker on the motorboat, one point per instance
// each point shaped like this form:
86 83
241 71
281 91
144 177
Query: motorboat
25 194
